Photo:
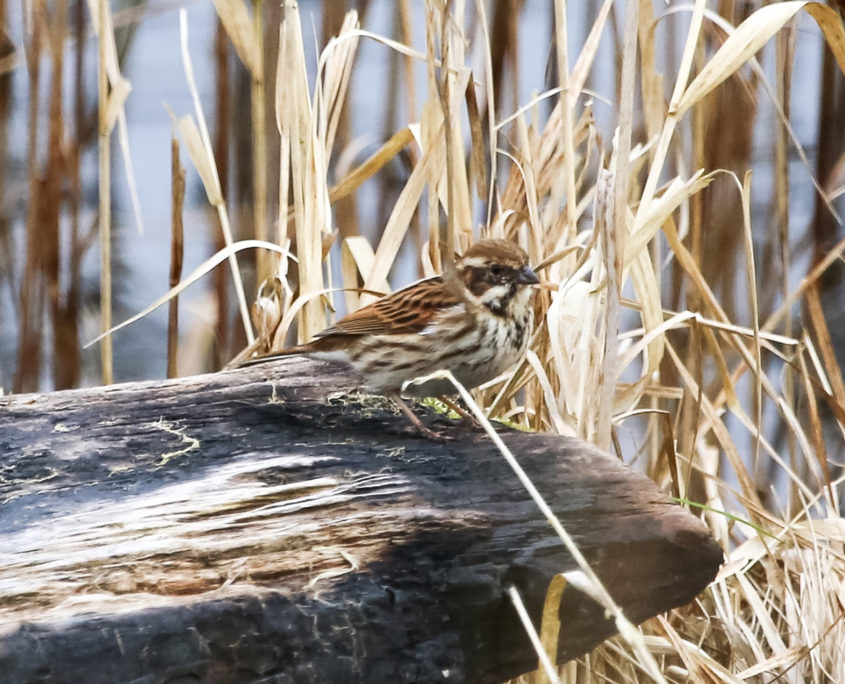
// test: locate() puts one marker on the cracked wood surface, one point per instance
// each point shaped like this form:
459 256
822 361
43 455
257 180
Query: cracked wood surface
271 524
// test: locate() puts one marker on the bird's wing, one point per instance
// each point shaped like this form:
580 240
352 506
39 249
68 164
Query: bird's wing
408 310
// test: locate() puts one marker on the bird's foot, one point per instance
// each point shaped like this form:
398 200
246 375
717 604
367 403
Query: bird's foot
419 427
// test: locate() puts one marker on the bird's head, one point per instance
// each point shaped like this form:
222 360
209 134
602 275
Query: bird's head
495 272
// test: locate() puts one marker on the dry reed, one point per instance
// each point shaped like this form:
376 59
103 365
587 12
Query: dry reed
669 323
177 254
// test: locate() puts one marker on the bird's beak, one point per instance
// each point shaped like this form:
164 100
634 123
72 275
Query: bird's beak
527 277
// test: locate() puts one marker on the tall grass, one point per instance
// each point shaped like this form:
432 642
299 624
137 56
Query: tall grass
674 324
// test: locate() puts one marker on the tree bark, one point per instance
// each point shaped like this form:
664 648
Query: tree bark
271 524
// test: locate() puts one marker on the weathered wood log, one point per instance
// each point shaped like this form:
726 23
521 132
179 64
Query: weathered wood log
266 524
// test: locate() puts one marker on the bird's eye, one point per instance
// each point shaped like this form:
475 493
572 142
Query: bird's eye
497 271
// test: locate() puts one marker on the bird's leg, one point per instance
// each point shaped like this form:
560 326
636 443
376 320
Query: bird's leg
418 424
463 413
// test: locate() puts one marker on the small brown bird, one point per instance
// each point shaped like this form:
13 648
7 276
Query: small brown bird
474 320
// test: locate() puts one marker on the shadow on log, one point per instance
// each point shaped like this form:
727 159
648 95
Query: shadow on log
268 524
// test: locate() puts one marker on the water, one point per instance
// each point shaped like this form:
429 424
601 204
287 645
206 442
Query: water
154 68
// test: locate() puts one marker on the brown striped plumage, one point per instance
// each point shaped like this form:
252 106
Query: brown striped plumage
475 321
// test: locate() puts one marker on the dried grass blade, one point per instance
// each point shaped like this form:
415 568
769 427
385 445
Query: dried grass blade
397 142
668 130
104 150
204 161
336 66
751 285
551 405
751 35
116 100
592 584
588 53
478 169
647 224
196 274
536 642
824 341
296 120
610 234
749 492
397 227
357 258
550 623
816 432
491 109
566 125
832 256
237 22
177 250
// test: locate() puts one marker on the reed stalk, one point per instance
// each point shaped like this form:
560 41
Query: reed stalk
104 174
667 326
177 250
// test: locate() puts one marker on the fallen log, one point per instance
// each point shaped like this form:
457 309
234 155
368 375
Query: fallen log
272 524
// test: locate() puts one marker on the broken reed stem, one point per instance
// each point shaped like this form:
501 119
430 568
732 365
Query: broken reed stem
211 180
104 133
29 345
405 28
785 47
435 251
5 108
49 223
176 253
223 123
566 105
615 230
608 230
444 92
75 201
259 145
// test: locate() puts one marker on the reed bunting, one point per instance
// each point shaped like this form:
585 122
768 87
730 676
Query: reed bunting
474 320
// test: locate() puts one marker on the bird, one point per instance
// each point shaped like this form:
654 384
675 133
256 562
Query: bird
475 320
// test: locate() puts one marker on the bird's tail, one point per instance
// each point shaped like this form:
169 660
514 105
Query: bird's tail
267 358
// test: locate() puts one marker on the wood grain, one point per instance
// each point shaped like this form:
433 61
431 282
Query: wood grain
271 524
